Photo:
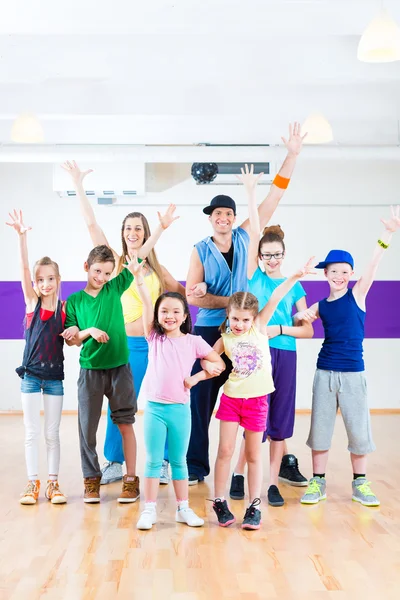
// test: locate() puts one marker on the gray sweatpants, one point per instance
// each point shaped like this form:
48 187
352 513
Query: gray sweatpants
347 391
93 384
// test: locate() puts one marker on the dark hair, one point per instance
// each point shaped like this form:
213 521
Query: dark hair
271 234
186 326
100 254
151 260
241 301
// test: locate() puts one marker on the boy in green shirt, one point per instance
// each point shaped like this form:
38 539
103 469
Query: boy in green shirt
95 322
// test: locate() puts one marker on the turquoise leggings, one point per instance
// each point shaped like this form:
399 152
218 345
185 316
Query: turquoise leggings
171 422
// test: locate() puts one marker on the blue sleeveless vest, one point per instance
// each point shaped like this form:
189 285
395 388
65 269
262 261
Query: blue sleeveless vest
220 280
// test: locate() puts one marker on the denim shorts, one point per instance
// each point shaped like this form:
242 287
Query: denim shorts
34 385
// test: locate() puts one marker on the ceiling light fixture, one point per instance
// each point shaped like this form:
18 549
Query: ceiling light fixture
318 129
27 129
380 42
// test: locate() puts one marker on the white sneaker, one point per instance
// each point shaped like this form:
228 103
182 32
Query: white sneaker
188 516
111 471
147 518
164 473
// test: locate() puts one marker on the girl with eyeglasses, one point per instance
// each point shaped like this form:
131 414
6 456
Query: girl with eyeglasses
282 340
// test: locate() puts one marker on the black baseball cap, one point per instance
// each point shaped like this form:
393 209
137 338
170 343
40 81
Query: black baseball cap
220 201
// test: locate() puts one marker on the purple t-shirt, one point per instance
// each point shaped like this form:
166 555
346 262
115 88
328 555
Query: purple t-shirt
170 361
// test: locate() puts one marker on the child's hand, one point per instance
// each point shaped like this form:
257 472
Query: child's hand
248 178
212 368
392 224
98 335
199 290
70 333
135 267
295 142
72 168
17 222
273 331
167 219
308 268
189 382
307 315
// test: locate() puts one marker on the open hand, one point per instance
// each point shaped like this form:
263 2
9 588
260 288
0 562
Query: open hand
248 178
392 224
17 222
295 142
308 268
167 219
76 174
135 267
199 290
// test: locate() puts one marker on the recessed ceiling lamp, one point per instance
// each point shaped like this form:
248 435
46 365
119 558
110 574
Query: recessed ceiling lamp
318 129
27 129
380 42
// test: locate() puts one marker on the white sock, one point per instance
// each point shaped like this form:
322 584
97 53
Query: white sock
183 504
222 498
53 477
150 505
241 474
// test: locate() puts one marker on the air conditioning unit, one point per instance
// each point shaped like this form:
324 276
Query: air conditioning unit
227 172
112 184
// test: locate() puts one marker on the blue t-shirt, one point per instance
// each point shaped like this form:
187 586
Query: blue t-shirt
262 286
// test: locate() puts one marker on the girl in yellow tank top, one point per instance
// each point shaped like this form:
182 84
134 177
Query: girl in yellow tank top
132 306
245 398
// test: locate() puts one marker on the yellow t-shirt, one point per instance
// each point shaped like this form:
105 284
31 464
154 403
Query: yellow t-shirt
132 306
251 375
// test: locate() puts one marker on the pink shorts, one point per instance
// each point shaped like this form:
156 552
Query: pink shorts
250 413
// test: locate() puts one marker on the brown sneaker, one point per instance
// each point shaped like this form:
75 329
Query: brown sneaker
130 489
31 492
54 494
92 490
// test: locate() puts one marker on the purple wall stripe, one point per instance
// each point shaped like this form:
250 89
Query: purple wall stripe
382 319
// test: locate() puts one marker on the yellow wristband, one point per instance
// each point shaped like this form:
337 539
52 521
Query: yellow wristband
383 245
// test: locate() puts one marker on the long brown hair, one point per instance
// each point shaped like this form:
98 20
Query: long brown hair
45 262
273 233
241 301
151 259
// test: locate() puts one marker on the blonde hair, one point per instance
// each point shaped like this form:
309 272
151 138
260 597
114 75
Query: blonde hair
45 262
151 259
273 233
241 301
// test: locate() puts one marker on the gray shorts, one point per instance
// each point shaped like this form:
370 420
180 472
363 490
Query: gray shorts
347 391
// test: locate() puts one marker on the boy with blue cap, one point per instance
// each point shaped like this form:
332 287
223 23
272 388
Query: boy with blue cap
339 380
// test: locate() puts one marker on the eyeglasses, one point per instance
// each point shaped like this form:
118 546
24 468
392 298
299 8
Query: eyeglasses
277 256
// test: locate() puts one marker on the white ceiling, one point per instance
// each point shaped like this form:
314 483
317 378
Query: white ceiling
184 72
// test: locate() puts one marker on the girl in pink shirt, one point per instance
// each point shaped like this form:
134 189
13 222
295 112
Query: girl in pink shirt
172 353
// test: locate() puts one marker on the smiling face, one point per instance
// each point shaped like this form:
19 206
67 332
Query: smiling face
46 280
222 220
133 233
99 273
272 255
171 315
338 276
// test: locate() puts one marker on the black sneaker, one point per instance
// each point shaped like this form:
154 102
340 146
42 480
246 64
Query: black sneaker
274 497
252 517
224 515
289 471
237 487
194 479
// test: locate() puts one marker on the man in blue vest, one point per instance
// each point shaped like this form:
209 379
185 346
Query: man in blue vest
221 262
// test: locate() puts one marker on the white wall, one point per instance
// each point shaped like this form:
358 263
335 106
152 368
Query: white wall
329 204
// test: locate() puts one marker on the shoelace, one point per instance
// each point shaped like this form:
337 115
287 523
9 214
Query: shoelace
219 505
91 487
129 486
365 489
252 508
313 487
31 488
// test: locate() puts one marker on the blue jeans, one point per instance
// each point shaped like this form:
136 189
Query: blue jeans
138 359
33 385
162 422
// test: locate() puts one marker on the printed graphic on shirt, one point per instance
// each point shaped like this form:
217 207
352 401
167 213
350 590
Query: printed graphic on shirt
246 359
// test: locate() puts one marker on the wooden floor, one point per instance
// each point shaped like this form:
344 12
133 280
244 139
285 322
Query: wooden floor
336 550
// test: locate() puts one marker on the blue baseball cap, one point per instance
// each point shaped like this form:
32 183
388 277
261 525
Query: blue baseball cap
336 256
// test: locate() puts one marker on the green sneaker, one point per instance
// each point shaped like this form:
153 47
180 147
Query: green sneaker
315 492
362 492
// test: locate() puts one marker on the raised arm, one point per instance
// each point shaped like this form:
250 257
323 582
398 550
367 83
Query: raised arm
195 276
363 285
268 205
280 292
95 231
171 284
250 181
165 221
17 224
136 269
